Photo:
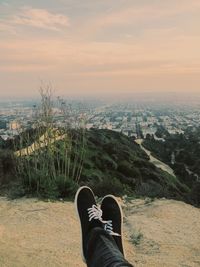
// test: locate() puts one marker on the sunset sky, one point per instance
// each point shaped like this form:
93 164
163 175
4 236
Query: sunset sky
99 47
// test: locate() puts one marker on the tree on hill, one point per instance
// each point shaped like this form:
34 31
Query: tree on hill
2 142
161 132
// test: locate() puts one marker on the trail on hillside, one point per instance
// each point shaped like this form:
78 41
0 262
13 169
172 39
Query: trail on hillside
36 233
158 163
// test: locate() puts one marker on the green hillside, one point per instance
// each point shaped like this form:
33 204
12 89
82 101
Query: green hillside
184 149
112 163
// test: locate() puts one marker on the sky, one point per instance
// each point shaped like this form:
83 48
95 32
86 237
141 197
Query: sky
92 47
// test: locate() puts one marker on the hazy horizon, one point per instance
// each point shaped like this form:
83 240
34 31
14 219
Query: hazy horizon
169 98
93 48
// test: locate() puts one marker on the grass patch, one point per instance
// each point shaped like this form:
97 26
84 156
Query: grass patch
136 238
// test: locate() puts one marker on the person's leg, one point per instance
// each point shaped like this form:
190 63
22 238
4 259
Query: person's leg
102 250
99 248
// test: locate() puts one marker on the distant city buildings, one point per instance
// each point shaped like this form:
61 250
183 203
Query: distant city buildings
130 119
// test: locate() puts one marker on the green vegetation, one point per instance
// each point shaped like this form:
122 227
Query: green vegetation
115 164
7 166
181 152
136 238
161 132
51 162
47 160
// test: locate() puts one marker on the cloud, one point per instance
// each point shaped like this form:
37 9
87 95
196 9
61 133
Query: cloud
158 14
123 47
41 18
38 18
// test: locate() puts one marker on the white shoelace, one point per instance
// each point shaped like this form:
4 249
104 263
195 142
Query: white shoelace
96 213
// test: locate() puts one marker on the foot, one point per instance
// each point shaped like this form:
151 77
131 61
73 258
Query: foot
89 214
112 213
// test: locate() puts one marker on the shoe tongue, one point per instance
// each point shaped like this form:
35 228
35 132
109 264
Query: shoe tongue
95 223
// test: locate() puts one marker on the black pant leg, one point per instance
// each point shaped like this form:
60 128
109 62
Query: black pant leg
102 250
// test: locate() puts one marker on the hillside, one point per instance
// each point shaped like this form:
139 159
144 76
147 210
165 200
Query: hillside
112 163
159 233
116 164
181 152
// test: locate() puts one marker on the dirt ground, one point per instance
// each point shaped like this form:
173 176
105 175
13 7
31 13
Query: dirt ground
39 234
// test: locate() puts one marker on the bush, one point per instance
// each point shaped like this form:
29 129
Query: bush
126 169
151 189
108 186
7 166
108 163
66 187
49 160
194 195
40 184
136 238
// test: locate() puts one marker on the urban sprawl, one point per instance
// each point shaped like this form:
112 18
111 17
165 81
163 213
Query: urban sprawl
130 119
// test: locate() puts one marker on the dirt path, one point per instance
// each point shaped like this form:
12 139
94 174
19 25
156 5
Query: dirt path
156 161
35 233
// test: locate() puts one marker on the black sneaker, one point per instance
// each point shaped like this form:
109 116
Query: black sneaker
89 214
112 213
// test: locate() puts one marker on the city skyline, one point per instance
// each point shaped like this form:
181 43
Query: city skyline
93 48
